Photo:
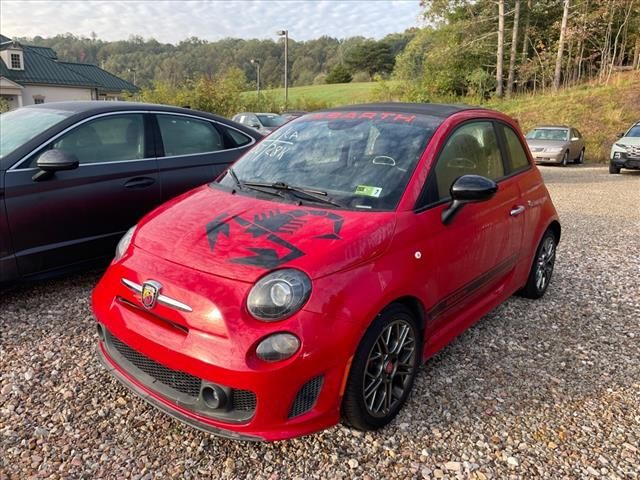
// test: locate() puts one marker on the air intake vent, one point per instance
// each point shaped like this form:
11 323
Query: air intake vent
306 397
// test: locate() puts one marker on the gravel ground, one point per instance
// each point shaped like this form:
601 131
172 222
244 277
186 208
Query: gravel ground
537 389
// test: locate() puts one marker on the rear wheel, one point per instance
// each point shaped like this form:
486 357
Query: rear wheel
542 268
613 168
383 370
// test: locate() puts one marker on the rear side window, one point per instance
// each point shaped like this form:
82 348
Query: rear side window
471 150
188 136
113 138
239 139
517 154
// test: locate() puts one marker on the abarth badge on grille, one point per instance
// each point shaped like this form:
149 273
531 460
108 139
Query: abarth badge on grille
150 292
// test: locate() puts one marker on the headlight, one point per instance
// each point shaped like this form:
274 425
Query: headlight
554 149
277 347
124 243
621 145
279 295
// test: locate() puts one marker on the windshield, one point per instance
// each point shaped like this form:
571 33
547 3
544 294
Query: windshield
548 134
633 131
19 126
360 159
270 120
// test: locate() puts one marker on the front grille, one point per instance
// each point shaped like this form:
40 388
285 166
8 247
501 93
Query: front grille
306 397
244 400
180 381
537 149
180 387
633 151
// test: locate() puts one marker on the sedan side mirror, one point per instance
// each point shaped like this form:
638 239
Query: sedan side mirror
620 134
575 139
55 160
468 189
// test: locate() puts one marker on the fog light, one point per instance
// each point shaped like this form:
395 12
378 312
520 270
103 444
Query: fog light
616 155
277 347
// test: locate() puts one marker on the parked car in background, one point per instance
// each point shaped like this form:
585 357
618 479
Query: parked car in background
311 280
264 123
625 152
75 176
292 115
556 144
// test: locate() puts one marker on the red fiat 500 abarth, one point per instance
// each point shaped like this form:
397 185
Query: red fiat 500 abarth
309 282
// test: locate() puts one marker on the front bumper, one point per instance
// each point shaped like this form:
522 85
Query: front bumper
623 161
545 157
186 344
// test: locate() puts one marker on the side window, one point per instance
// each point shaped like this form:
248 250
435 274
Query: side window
239 139
517 154
109 139
187 135
472 149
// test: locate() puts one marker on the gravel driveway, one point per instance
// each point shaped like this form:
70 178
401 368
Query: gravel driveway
545 389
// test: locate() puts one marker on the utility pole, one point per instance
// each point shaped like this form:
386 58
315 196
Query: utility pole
563 31
257 64
285 34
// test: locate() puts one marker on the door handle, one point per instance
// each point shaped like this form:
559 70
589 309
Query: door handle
139 182
516 211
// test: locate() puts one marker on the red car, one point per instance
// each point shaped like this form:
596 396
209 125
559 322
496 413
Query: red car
309 282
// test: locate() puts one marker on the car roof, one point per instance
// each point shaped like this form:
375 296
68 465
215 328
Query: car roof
108 106
551 126
440 110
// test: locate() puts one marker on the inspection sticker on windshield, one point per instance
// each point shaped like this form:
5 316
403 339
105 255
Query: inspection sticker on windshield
368 191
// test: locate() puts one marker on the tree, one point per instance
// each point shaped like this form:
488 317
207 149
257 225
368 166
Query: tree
371 57
500 53
339 74
514 47
563 33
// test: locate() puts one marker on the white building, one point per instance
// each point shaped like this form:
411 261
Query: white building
31 75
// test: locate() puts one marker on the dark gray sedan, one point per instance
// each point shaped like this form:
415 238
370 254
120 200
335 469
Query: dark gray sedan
75 176
556 144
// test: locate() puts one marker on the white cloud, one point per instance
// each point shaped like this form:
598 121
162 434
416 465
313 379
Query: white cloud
172 21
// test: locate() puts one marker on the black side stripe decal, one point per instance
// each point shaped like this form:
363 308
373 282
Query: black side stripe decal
467 290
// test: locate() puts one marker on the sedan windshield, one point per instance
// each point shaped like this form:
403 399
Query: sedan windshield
271 121
548 134
19 126
352 159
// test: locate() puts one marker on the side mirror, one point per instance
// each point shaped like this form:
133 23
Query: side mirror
55 160
575 139
468 189
620 134
255 125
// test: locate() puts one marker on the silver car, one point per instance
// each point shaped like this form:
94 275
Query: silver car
556 144
264 123
625 152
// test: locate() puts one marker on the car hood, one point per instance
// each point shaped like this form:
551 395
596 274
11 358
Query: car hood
628 141
241 237
546 143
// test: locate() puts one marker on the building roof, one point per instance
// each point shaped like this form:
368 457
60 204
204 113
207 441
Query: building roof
41 66
105 79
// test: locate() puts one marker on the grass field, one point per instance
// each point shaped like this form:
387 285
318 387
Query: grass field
334 95
600 112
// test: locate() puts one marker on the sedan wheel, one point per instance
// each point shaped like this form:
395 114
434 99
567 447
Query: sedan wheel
564 159
580 159
383 370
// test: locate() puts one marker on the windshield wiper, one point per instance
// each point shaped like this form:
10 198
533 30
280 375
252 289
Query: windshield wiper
317 195
240 185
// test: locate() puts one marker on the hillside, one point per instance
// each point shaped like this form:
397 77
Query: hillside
600 112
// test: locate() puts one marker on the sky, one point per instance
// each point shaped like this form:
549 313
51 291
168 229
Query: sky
170 21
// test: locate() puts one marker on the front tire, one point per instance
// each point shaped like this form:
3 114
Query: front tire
542 268
565 158
613 169
383 369
580 159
